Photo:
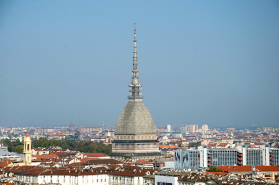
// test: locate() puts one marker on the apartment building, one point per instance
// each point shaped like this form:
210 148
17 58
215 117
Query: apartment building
204 157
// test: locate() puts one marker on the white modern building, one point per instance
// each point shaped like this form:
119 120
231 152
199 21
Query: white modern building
204 157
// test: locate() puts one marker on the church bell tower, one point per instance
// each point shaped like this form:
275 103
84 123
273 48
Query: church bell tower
27 150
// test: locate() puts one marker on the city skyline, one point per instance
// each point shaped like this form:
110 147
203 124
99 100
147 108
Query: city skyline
212 63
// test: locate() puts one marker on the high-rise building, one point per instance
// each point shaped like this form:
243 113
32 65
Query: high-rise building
204 128
169 127
135 133
191 128
71 127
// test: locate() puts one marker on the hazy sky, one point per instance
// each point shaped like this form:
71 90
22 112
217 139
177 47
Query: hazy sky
200 62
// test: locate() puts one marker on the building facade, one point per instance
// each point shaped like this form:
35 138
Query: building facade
204 157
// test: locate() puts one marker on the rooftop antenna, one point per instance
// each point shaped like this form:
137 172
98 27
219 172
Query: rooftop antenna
103 123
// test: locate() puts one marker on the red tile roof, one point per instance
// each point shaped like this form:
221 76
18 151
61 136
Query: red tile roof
267 168
84 160
235 168
112 169
46 156
248 168
4 164
223 144
94 155
142 162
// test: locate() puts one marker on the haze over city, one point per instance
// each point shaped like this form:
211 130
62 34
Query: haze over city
200 62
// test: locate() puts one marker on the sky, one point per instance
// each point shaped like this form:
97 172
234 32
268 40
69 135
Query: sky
200 62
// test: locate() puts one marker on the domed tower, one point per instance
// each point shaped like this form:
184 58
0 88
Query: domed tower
135 135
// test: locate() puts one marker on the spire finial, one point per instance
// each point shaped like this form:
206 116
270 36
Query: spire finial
135 86
27 134
135 49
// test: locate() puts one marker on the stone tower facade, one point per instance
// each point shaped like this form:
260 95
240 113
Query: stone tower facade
135 134
27 150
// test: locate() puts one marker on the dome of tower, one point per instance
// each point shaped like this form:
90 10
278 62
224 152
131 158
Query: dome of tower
135 119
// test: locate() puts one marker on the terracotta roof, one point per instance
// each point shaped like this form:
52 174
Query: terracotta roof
4 164
212 144
142 162
84 160
46 156
222 144
94 155
28 170
110 169
100 161
248 168
235 168
267 168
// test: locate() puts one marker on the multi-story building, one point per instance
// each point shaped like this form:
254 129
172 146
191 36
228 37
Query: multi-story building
169 127
240 156
189 128
204 128
274 156
110 174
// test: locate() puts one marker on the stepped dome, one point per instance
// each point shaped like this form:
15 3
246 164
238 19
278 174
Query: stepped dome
135 119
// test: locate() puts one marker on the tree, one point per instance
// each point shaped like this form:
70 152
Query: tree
214 169
18 149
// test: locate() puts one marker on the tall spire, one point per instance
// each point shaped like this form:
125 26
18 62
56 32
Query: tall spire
135 64
135 91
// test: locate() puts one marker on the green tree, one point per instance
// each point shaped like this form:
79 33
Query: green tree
214 169
6 142
18 149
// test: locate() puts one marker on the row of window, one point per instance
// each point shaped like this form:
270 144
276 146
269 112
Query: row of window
133 137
